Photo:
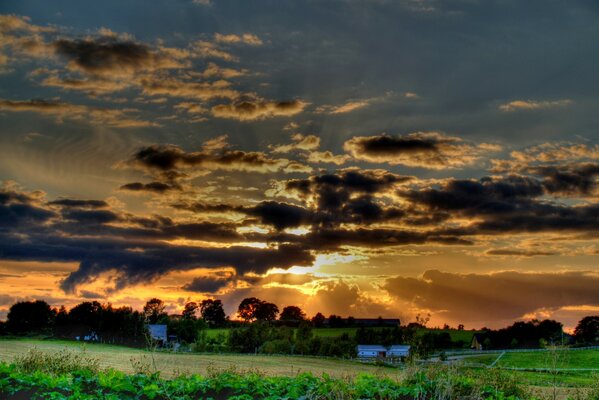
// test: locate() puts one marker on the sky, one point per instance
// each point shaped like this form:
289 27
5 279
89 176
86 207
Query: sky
359 158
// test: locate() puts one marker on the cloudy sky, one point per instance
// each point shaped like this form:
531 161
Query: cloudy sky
353 157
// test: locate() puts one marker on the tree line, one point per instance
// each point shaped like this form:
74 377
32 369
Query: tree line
264 329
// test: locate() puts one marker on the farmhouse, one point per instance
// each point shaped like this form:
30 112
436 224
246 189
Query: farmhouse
158 333
371 351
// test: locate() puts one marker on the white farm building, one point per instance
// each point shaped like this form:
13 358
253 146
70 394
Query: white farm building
398 351
378 351
371 351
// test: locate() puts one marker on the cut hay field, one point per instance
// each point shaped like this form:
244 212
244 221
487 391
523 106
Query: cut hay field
170 364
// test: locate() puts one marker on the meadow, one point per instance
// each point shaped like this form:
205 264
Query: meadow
456 335
578 368
170 364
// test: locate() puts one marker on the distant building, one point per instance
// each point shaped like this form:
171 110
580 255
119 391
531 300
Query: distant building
158 333
477 343
371 351
398 351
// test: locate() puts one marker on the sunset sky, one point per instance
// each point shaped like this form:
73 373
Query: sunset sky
360 158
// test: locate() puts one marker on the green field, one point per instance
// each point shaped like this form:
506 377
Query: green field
568 367
171 364
560 359
456 335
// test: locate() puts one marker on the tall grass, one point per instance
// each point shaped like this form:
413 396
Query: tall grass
56 363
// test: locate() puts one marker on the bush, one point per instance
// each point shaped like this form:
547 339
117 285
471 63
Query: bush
58 363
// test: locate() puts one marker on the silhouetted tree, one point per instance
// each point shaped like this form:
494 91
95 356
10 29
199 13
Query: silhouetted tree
154 311
30 317
335 321
86 316
587 330
252 308
318 320
267 312
212 312
292 313
189 310
248 307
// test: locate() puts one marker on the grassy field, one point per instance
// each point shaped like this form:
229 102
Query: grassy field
568 367
455 334
564 359
169 364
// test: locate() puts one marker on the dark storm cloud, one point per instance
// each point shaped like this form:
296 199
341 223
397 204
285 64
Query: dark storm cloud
277 214
133 261
79 203
505 204
105 55
335 239
476 197
97 240
359 181
168 158
90 216
505 295
519 253
206 284
20 216
343 197
422 149
569 179
153 187
280 215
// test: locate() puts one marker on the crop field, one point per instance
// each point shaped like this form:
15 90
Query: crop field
170 364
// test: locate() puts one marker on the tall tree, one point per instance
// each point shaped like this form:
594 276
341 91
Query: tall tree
318 320
30 317
212 312
154 311
87 315
267 312
248 307
292 313
189 310
587 330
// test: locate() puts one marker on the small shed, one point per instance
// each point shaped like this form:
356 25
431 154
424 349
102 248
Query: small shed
477 342
398 351
158 332
370 351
